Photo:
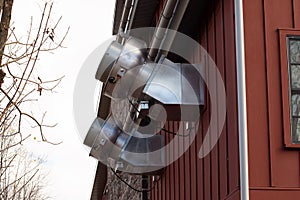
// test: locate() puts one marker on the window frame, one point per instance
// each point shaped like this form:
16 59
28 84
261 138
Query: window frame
284 35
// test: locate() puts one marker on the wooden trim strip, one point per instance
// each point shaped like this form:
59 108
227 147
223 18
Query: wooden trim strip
296 12
275 188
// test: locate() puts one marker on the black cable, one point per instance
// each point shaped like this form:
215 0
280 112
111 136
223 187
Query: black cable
163 129
177 134
133 188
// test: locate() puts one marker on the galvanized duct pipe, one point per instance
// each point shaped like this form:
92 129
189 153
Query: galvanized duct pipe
133 11
124 19
160 29
174 25
242 107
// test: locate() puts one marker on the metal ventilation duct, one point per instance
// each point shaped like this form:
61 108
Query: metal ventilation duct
109 142
175 83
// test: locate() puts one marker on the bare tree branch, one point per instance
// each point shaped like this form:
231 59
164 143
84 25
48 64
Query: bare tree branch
20 84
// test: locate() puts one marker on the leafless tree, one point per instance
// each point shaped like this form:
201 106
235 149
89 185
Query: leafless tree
20 85
21 173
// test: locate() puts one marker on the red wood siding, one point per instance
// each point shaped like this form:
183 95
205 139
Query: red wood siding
217 175
270 164
274 194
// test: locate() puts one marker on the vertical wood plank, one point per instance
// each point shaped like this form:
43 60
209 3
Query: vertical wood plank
187 162
181 169
165 177
296 11
256 80
159 189
198 140
176 166
206 117
172 166
213 82
156 191
168 174
200 165
194 158
220 51
232 136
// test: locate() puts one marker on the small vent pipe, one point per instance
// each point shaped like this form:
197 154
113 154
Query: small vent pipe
160 29
171 18
124 19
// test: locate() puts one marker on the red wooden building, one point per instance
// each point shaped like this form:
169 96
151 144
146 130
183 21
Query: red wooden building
271 48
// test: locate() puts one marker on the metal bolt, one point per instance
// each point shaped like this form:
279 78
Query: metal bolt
111 79
102 141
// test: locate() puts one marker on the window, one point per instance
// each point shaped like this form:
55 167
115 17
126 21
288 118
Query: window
290 77
294 79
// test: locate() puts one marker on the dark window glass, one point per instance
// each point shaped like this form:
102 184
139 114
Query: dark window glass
294 71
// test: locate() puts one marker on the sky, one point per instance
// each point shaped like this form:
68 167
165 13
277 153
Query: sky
71 170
